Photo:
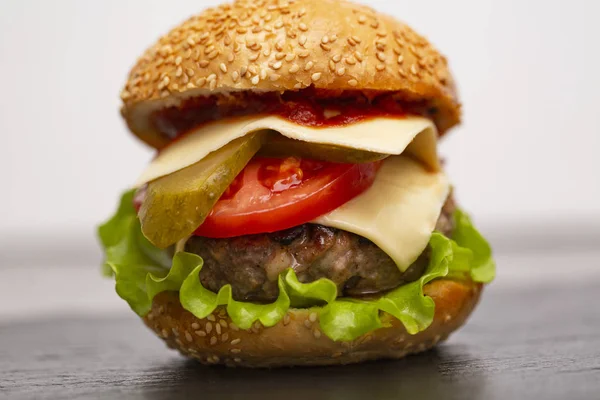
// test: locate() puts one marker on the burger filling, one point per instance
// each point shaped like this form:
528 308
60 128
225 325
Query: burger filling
251 264
264 213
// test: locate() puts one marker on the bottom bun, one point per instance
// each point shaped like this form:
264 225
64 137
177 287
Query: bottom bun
297 339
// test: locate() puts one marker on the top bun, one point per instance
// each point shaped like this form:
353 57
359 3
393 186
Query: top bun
277 46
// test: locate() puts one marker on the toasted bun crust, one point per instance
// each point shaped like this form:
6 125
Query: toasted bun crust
297 340
270 45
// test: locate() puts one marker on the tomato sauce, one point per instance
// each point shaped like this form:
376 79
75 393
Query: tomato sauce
306 107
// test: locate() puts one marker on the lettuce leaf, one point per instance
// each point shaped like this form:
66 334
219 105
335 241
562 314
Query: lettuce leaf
142 271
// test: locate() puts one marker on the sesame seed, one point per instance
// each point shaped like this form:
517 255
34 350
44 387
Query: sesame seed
315 77
356 39
179 72
351 42
359 56
341 71
312 317
254 57
274 77
331 65
278 24
224 337
203 63
231 57
178 60
201 82
210 78
165 334
213 84
237 360
325 47
255 80
223 68
179 342
175 332
280 56
413 69
213 55
286 319
308 65
317 333
235 351
200 333
350 60
381 56
303 54
279 45
290 57
302 40
236 341
401 72
223 323
267 52
208 327
448 317
213 340
302 26
380 67
263 74
190 72
253 70
166 80
233 327
209 49
277 65
352 82
362 19
218 328
188 336
325 39
307 323
400 59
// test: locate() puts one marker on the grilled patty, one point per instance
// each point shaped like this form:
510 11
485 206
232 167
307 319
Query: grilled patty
252 263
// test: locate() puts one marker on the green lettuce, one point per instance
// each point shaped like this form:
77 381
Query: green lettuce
142 271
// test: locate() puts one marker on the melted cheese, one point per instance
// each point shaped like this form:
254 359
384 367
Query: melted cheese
399 212
413 135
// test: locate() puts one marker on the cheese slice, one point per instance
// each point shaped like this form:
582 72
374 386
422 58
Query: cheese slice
412 135
399 212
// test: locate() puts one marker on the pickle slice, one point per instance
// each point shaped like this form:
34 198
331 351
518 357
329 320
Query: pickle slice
280 146
177 204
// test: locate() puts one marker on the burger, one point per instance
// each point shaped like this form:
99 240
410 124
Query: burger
296 211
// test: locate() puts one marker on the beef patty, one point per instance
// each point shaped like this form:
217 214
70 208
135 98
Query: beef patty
252 263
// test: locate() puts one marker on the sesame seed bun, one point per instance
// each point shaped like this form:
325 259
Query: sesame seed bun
276 46
297 339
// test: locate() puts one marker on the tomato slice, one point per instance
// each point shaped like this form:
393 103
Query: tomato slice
272 194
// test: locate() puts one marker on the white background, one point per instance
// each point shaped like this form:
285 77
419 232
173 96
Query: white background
528 73
525 162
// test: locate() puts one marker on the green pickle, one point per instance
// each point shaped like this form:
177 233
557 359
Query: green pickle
177 204
281 146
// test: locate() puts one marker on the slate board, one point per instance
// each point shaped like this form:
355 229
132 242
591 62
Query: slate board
520 344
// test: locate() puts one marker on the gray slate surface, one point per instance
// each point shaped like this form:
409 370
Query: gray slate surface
522 344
